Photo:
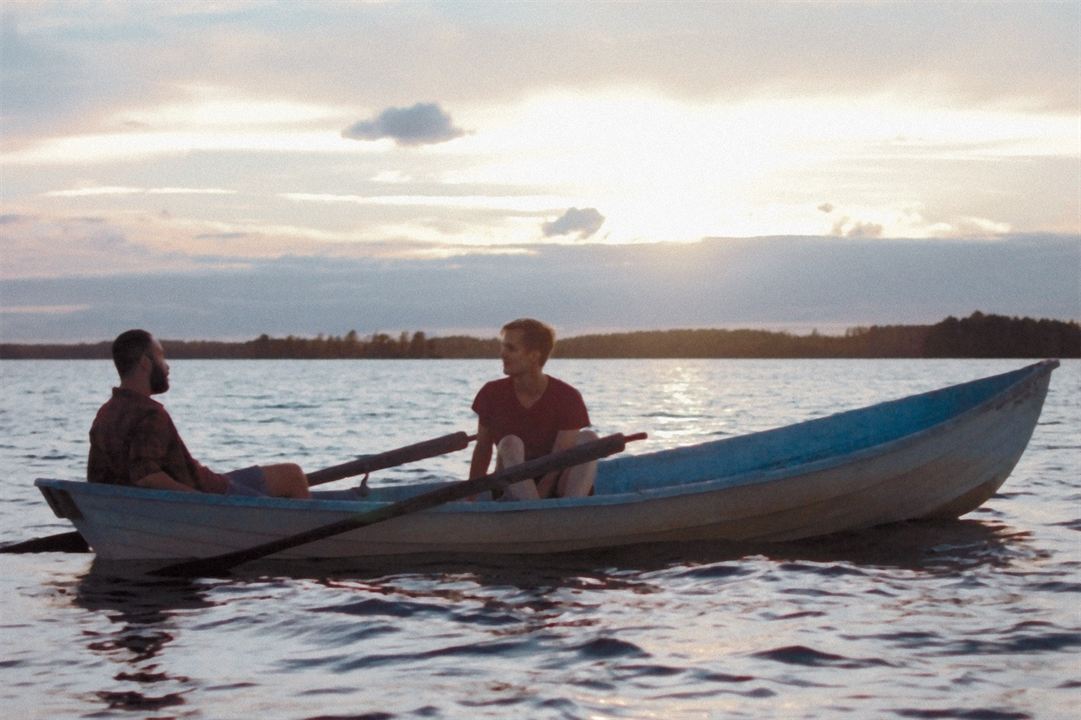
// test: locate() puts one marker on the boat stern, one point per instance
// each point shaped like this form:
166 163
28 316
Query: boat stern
59 499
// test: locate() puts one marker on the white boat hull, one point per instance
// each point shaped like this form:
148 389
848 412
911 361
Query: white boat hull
935 455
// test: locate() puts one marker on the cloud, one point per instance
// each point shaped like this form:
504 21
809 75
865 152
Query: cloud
116 190
223 236
35 86
91 245
422 124
72 67
799 281
63 73
826 208
38 245
584 222
846 227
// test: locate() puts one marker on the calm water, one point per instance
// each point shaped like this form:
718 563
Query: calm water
979 618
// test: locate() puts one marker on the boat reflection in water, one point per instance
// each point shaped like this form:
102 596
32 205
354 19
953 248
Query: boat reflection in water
139 616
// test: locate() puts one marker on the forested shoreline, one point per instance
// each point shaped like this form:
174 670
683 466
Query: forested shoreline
977 336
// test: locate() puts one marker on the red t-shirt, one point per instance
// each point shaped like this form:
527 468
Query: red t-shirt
559 408
133 436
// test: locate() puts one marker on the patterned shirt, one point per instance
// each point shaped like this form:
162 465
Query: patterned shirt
133 437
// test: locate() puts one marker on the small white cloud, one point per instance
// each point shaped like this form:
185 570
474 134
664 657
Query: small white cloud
977 226
422 124
189 191
847 227
95 191
391 177
585 222
42 309
115 190
864 230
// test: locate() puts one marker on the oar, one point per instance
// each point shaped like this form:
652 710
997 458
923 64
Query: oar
219 564
392 458
69 542
74 542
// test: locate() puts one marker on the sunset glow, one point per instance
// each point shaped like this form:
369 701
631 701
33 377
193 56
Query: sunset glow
716 120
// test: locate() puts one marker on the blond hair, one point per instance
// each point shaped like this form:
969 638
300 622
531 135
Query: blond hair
535 336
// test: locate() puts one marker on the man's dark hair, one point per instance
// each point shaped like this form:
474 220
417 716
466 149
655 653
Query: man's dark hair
129 348
535 336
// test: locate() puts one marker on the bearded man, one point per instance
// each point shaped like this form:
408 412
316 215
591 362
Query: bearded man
133 440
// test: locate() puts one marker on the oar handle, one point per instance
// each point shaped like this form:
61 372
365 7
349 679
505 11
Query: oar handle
457 491
586 452
392 458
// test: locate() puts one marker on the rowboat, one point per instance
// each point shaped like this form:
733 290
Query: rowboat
934 455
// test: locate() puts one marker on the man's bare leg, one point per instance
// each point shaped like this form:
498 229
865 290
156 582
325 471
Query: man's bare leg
510 451
578 480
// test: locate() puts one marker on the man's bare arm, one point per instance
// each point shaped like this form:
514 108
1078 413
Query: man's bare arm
482 453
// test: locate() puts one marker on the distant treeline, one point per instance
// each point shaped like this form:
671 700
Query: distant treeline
322 347
977 336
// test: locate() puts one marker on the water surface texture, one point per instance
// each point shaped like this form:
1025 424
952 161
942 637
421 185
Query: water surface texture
977 618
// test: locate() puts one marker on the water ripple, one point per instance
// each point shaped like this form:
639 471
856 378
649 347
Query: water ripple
801 655
974 618
507 649
608 648
963 714
376 606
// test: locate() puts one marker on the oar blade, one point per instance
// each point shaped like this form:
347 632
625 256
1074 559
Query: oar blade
68 542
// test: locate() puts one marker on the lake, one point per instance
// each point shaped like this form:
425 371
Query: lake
975 618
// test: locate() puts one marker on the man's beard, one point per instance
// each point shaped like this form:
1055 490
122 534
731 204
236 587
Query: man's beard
159 382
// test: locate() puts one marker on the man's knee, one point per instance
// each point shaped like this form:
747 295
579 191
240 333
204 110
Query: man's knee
578 480
510 451
286 480
285 470
587 436
511 443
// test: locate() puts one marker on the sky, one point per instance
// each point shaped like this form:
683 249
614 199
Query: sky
227 168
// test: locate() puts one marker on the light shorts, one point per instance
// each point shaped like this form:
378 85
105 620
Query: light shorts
247 481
